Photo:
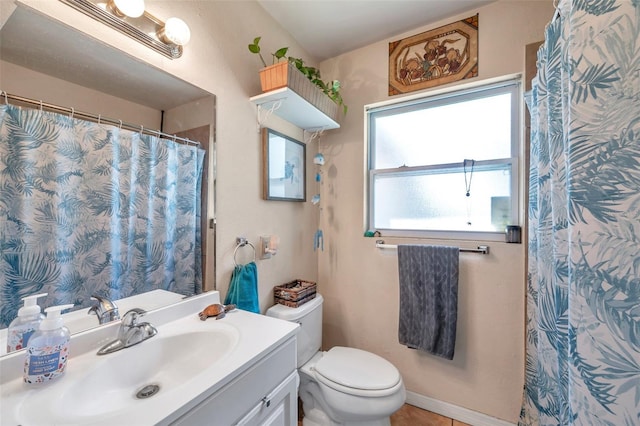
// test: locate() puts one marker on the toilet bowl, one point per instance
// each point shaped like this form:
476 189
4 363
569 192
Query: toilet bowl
342 386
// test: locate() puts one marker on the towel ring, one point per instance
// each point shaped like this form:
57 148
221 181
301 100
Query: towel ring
241 243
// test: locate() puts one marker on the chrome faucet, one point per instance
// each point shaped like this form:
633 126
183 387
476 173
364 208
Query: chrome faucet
105 309
131 332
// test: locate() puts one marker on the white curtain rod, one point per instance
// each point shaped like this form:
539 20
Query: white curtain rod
95 118
481 249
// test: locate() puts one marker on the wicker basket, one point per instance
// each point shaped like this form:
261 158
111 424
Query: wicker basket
295 293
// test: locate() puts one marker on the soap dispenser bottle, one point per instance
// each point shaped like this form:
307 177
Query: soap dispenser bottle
25 324
48 348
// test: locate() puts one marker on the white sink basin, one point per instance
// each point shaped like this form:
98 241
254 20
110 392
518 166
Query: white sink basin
110 382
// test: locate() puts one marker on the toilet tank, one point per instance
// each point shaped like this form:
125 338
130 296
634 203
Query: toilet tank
309 316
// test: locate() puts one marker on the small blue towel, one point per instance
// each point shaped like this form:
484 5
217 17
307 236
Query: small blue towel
243 289
428 277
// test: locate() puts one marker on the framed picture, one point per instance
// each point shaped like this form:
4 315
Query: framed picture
439 56
283 167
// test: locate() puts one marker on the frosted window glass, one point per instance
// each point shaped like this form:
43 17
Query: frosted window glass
478 129
439 201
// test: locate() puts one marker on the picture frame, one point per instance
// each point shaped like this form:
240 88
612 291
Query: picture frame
283 167
440 56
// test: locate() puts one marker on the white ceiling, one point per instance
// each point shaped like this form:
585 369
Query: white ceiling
328 28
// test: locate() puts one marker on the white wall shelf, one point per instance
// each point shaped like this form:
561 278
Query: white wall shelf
292 107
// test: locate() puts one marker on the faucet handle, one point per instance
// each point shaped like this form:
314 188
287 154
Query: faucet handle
104 304
130 319
104 309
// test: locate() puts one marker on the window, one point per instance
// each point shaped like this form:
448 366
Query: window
445 163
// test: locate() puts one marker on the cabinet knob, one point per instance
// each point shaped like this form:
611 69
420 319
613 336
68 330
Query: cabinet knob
266 401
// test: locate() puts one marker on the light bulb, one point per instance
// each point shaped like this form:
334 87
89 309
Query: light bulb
175 31
130 8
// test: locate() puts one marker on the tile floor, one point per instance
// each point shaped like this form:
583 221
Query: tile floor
409 415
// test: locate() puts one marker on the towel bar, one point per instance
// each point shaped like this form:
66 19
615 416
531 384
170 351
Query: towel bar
481 249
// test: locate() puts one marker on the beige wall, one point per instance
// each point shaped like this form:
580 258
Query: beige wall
217 60
360 282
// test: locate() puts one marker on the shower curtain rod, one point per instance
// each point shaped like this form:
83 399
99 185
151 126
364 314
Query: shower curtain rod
95 118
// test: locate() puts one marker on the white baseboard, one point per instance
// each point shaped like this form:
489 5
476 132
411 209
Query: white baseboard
453 411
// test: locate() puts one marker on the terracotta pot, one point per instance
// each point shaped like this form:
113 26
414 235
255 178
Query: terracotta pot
274 76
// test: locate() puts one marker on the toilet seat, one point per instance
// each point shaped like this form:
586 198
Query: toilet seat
357 372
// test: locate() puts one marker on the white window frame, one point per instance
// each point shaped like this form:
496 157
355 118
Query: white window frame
442 97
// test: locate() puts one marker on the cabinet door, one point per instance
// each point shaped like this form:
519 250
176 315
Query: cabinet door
278 408
244 394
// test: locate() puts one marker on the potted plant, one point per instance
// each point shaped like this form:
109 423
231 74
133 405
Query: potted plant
292 72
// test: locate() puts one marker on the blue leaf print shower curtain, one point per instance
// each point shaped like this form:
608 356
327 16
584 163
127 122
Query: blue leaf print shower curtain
93 209
583 298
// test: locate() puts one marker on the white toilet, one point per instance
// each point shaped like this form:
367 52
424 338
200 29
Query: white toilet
343 386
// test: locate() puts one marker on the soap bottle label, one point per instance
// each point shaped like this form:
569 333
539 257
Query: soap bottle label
18 338
45 364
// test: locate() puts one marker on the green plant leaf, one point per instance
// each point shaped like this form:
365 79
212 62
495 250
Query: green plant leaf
280 53
255 48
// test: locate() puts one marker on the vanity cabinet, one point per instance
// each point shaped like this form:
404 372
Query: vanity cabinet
275 409
264 394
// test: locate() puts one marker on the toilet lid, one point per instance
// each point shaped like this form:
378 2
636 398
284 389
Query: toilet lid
357 369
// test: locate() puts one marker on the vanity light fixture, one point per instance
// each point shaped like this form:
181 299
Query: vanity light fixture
175 31
130 18
130 8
